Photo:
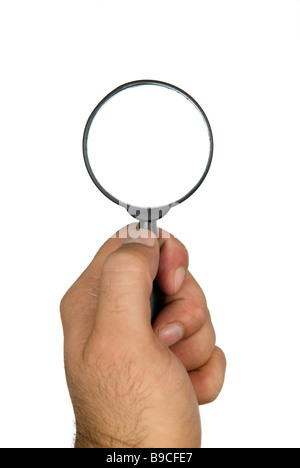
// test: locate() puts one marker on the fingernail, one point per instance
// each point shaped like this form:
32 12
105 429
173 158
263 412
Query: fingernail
171 333
143 236
179 276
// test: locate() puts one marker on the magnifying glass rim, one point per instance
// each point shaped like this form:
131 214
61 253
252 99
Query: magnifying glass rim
133 84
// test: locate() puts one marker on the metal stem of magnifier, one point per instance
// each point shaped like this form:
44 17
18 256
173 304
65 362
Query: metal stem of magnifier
147 217
156 298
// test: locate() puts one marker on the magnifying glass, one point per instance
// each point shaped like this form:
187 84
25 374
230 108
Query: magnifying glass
148 146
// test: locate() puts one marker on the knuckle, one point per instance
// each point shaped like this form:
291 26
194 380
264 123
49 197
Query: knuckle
219 354
117 300
100 357
64 304
67 302
182 248
211 389
125 260
94 353
199 310
212 380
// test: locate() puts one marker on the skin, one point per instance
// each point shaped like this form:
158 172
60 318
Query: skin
133 384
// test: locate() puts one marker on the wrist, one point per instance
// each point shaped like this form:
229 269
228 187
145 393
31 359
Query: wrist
99 440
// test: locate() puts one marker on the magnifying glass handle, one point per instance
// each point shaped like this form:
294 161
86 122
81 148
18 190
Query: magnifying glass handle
156 295
150 225
156 301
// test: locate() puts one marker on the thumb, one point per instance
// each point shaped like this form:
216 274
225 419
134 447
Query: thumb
126 284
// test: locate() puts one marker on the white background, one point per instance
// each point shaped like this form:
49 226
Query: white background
240 60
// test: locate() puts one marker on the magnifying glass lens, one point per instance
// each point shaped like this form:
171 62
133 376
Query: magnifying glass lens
148 145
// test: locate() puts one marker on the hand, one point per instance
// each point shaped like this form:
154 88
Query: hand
131 384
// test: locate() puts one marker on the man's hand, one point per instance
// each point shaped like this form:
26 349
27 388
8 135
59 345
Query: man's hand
131 384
